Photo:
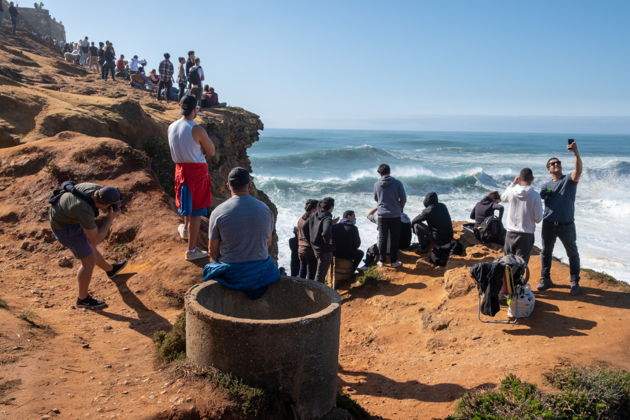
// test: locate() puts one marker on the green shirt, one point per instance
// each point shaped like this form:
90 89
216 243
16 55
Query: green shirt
70 210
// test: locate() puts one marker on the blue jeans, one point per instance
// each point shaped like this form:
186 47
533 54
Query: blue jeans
568 237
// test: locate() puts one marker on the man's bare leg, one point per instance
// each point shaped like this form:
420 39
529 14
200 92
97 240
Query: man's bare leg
100 261
193 231
84 275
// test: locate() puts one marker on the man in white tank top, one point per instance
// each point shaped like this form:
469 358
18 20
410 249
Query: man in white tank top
189 143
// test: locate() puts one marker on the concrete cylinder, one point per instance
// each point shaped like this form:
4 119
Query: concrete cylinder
288 340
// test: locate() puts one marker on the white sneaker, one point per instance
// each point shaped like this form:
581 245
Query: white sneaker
183 233
380 264
195 254
396 264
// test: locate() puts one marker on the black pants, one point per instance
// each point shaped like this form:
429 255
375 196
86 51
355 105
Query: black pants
308 266
519 243
107 68
389 227
182 90
372 255
164 84
324 259
424 234
568 237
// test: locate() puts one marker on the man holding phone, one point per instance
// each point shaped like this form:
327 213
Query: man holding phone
558 218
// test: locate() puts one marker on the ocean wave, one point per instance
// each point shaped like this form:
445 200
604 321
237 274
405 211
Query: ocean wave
328 156
416 181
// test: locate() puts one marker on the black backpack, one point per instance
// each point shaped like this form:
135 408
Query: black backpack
491 230
193 76
69 187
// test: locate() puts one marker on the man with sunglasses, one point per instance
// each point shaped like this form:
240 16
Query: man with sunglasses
558 219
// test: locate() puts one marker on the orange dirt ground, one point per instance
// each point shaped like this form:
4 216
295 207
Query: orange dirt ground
410 347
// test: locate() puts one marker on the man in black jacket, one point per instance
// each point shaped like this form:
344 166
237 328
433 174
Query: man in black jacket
438 227
318 230
347 240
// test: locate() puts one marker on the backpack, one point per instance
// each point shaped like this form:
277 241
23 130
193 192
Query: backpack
69 187
491 230
193 76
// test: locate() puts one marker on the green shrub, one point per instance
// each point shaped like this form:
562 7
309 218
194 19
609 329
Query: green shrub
356 411
586 393
371 276
171 346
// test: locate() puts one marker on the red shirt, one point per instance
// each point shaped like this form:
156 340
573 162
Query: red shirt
120 64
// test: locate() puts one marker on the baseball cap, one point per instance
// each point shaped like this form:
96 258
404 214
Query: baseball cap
239 176
187 104
108 195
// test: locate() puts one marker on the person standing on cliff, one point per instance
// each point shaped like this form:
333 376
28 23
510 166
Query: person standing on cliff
391 198
558 219
188 143
85 52
1 13
73 213
181 77
318 230
524 212
13 14
94 58
166 77
189 63
196 78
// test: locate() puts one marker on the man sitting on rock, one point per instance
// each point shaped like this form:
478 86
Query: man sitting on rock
240 233
438 228
73 222
188 142
346 239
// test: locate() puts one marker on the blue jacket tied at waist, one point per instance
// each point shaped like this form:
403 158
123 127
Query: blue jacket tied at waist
250 277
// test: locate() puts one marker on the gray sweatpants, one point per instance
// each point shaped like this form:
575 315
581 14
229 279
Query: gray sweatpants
519 243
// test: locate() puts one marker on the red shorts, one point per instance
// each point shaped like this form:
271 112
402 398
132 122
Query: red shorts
196 178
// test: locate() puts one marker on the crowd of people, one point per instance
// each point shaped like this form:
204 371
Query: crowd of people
241 228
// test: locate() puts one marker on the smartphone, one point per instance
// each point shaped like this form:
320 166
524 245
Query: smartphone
570 142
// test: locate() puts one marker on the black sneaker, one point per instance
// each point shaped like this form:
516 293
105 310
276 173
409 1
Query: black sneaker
90 303
544 284
117 267
575 289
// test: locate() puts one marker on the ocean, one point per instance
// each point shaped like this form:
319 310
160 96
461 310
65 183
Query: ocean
293 165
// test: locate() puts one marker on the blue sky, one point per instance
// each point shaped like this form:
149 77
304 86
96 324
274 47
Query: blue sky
435 65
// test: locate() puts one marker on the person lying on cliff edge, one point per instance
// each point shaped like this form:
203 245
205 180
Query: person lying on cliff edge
240 233
72 216
524 212
347 240
558 219
188 143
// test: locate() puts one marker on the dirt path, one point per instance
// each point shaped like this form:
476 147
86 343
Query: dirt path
409 351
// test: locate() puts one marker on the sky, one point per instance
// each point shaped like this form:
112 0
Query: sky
482 65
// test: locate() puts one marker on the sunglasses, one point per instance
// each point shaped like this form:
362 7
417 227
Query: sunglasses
554 163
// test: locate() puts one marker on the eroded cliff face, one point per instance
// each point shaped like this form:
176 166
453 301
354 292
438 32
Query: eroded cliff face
42 96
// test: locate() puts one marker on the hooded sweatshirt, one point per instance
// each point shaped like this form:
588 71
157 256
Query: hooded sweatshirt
390 195
485 208
525 208
438 219
318 229
346 239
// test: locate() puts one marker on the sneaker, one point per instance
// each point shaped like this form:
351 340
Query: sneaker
575 289
544 284
362 268
90 303
380 263
396 264
183 233
195 254
117 267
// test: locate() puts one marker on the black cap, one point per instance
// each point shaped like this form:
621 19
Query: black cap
187 104
167 55
108 195
239 177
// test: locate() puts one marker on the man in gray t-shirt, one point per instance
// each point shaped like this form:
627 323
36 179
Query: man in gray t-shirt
240 228
558 219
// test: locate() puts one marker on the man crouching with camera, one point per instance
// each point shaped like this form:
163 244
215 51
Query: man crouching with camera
73 213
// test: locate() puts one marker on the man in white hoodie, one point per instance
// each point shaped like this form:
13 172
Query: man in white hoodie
524 212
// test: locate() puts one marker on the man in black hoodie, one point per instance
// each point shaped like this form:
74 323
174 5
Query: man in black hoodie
486 208
390 195
438 227
318 230
347 240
